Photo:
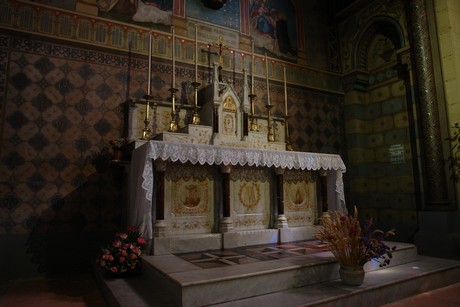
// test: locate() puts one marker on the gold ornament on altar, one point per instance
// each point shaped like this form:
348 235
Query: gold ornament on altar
191 197
249 195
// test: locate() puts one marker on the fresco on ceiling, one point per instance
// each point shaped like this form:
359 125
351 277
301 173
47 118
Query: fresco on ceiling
273 27
225 15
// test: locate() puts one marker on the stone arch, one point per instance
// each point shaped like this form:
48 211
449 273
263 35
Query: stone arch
381 25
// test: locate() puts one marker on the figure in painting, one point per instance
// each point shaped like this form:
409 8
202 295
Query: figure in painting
156 11
261 17
269 19
118 6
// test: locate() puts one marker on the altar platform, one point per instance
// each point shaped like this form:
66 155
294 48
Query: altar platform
291 274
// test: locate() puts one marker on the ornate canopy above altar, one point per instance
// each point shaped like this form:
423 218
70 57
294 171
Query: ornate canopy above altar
142 171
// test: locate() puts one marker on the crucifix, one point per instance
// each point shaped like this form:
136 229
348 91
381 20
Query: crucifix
221 47
209 53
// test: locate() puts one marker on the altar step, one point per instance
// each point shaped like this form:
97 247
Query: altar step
308 280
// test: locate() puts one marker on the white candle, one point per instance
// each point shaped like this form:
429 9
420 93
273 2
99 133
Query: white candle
173 71
268 85
285 93
150 64
252 69
196 53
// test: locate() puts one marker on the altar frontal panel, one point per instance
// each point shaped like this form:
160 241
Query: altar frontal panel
189 191
250 198
300 197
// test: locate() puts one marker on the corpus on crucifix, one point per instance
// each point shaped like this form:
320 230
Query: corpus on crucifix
221 47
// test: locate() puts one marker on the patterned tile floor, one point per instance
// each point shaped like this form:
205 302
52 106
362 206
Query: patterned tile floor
234 256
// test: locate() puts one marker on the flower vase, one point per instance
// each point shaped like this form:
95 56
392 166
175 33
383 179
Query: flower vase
351 276
117 155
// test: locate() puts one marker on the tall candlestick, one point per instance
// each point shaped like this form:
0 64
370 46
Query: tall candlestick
150 64
252 69
196 53
268 85
285 92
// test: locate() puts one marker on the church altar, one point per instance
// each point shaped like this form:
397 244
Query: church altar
216 175
192 216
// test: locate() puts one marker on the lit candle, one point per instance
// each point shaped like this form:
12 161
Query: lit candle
285 93
268 85
196 53
252 69
150 64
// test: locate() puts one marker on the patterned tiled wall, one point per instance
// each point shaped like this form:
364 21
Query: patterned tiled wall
381 185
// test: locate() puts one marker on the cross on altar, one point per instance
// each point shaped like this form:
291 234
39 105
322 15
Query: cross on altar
221 47
209 53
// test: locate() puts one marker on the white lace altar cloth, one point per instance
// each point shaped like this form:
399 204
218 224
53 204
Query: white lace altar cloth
140 211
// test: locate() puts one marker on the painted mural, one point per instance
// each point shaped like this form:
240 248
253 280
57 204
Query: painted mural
131 11
273 27
142 11
227 16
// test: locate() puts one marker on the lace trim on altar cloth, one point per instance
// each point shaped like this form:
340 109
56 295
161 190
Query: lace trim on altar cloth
208 154
219 155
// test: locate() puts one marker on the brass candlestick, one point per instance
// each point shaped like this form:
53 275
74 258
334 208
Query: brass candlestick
196 116
270 136
173 127
253 123
286 132
146 132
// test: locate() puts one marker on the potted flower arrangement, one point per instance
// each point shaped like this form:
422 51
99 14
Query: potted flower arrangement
123 254
354 245
118 146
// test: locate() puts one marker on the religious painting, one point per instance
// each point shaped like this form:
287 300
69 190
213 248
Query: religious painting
137 11
226 14
273 27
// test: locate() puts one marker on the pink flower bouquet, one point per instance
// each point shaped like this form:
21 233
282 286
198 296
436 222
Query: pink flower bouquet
123 254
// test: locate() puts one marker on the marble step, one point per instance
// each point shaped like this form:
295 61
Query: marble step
168 280
379 288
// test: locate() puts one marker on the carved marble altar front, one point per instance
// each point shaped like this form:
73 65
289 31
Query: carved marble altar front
194 202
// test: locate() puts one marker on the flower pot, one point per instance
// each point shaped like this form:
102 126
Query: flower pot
117 155
351 276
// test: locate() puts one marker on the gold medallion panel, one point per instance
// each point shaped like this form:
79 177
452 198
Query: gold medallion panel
188 199
250 198
300 198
